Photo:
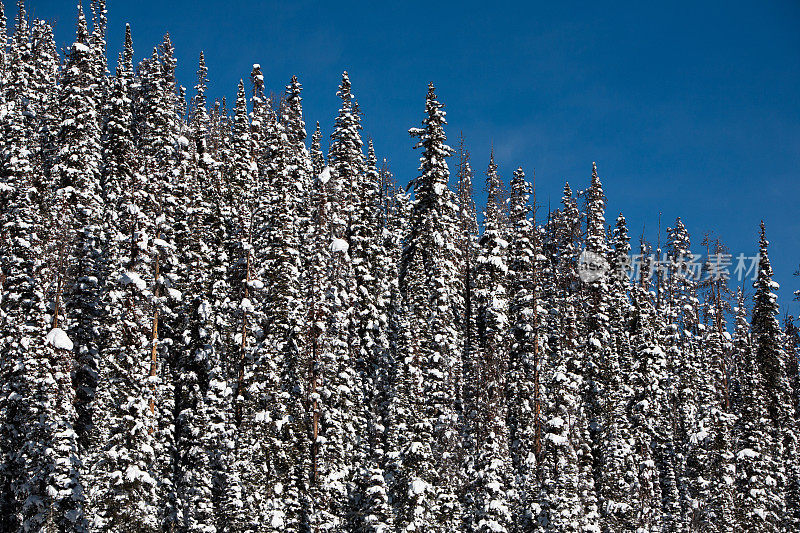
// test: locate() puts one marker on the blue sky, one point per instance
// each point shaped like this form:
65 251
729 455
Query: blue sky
690 109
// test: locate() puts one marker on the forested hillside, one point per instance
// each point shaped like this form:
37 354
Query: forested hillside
212 321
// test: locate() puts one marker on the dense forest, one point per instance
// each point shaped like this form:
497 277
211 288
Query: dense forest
209 324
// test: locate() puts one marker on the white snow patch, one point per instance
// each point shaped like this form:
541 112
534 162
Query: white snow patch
339 245
204 310
747 452
59 340
418 486
161 243
325 175
132 277
175 294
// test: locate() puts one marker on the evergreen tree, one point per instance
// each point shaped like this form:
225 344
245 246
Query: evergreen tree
754 481
45 90
792 462
523 381
494 503
428 274
771 361
649 401
158 127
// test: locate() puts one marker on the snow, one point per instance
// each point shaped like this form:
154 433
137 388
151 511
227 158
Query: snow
174 294
339 245
255 284
277 521
59 340
208 160
325 175
418 486
204 310
747 452
161 243
132 278
558 440
246 305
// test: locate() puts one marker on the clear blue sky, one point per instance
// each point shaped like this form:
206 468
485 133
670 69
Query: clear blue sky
689 108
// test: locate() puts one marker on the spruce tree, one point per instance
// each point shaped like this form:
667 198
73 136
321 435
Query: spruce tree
525 418
494 504
428 281
649 400
79 206
771 359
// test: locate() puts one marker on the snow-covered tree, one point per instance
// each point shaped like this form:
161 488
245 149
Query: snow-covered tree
523 379
771 360
494 500
428 281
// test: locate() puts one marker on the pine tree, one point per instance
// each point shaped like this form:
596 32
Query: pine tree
523 380
158 127
792 462
289 212
575 499
41 467
125 479
649 401
341 421
45 103
370 268
468 232
754 481
617 480
493 504
466 389
428 275
316 280
605 393
771 361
